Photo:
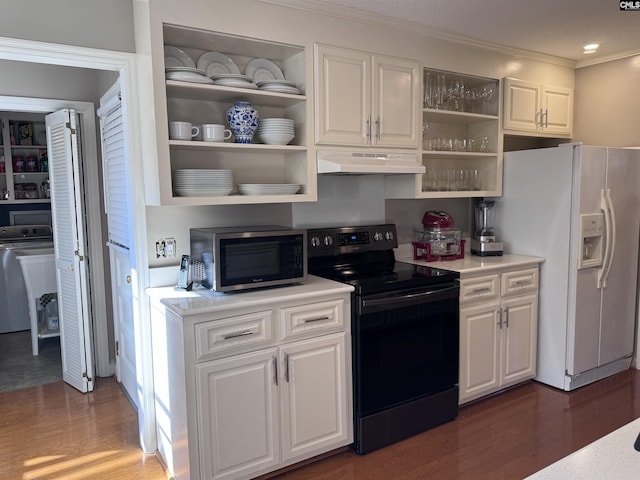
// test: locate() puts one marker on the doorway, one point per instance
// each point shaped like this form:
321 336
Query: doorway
124 65
91 212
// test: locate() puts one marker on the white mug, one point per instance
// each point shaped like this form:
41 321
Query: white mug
213 132
182 131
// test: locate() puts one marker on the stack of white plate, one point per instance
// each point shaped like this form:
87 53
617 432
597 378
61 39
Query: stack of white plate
187 74
234 80
276 131
280 86
198 182
268 188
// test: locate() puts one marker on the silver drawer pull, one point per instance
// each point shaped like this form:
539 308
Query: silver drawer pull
318 319
481 290
239 334
520 283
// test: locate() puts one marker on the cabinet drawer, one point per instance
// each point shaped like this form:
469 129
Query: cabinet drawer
312 318
480 289
239 333
520 281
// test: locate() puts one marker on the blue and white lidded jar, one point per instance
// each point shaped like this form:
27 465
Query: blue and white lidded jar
243 121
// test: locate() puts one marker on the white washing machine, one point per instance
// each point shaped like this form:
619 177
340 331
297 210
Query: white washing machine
14 307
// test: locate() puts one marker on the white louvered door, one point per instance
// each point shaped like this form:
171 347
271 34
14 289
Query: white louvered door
115 168
70 249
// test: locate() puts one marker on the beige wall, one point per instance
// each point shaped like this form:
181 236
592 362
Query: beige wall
607 103
103 24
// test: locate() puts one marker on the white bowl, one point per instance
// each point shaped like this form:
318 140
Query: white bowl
276 138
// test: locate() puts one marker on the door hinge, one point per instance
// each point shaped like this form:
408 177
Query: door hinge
72 130
77 253
86 377
117 348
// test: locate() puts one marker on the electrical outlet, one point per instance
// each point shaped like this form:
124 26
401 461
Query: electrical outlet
166 247
170 247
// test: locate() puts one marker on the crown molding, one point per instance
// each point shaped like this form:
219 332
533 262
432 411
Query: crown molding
376 20
606 58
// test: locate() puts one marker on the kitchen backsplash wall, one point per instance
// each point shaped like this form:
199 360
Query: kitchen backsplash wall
343 200
175 222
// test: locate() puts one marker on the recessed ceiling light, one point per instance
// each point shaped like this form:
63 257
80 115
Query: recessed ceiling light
591 48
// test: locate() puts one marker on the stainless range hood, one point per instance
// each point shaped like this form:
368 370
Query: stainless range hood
359 163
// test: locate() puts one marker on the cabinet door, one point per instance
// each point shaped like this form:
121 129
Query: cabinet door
314 396
343 96
237 400
521 105
396 101
479 351
557 105
520 327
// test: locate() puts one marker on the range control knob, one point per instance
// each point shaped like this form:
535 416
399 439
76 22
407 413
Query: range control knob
388 235
378 236
315 241
328 240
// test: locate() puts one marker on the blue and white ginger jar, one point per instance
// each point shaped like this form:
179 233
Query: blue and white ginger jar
243 121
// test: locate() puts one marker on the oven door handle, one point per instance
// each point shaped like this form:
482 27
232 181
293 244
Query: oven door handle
370 305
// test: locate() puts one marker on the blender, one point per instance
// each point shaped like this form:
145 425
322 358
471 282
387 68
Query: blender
484 241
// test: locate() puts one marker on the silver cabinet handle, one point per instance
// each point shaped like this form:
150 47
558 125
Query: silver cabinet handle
318 319
506 317
378 129
369 129
546 119
238 334
275 370
286 367
499 323
481 290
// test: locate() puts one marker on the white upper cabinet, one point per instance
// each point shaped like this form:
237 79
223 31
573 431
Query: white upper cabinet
365 99
461 145
188 97
534 109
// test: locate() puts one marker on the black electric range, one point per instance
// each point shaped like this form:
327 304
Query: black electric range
405 333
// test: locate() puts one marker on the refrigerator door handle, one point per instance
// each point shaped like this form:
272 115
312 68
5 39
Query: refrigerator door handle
610 222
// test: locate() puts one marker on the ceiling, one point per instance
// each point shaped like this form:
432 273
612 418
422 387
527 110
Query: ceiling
551 27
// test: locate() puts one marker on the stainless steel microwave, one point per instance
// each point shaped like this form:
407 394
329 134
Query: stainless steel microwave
240 258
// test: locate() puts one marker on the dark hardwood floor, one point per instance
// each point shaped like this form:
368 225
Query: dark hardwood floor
54 432
509 436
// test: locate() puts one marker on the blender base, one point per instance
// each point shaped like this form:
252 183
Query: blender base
486 249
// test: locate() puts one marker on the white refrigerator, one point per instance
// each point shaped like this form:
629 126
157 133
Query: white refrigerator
579 207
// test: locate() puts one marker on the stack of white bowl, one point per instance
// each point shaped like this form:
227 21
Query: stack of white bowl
276 131
200 182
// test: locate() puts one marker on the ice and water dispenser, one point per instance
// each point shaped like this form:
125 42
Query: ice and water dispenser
591 240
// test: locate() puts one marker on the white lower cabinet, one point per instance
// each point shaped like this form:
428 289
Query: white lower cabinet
498 331
238 413
258 408
241 392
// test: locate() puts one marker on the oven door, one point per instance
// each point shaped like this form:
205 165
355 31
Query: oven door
405 346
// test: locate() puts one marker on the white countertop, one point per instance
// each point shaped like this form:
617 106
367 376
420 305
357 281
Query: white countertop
611 457
202 300
472 264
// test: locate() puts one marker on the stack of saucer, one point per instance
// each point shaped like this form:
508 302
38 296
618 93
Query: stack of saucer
233 80
279 86
198 182
276 131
